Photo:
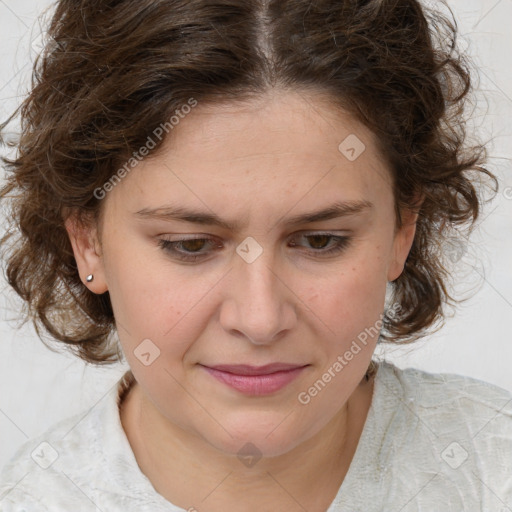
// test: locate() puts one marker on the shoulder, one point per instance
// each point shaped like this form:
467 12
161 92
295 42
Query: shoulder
447 394
448 432
449 405
56 468
84 463
40 463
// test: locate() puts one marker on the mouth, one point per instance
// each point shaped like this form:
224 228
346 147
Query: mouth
256 380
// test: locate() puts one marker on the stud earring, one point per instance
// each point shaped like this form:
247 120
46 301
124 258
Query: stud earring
89 278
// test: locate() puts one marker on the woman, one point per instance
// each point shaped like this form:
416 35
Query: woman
250 195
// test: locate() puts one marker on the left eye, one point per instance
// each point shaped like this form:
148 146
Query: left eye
325 243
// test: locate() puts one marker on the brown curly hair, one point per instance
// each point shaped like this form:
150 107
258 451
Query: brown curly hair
113 70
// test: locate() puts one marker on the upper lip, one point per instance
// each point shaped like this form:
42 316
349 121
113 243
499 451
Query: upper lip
245 369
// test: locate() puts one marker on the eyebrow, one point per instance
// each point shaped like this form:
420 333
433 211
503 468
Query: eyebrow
180 213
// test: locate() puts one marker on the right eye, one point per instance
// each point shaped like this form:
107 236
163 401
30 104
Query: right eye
188 249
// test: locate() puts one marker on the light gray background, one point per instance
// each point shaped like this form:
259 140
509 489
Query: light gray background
39 387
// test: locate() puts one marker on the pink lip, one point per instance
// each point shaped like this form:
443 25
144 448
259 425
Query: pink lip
256 380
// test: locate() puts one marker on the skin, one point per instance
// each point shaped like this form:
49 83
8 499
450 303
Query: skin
256 163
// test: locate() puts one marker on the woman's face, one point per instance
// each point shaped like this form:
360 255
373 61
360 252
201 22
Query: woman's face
253 284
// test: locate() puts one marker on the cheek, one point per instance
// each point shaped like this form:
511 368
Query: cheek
152 300
353 296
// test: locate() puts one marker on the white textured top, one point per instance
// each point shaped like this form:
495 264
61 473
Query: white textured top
431 442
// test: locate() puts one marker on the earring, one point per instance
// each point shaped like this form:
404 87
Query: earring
89 278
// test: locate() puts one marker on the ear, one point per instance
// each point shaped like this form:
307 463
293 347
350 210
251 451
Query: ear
88 253
404 238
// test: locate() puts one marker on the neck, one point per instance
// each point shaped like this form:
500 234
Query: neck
189 472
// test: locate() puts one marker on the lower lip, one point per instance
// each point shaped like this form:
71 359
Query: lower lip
256 384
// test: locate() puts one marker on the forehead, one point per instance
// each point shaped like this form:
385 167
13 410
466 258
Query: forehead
273 150
277 123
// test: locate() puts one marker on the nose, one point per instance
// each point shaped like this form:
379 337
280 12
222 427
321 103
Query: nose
258 304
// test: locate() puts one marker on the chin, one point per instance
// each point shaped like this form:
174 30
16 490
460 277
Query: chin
253 446
254 437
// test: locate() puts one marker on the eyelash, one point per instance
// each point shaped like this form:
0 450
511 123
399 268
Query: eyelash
340 244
